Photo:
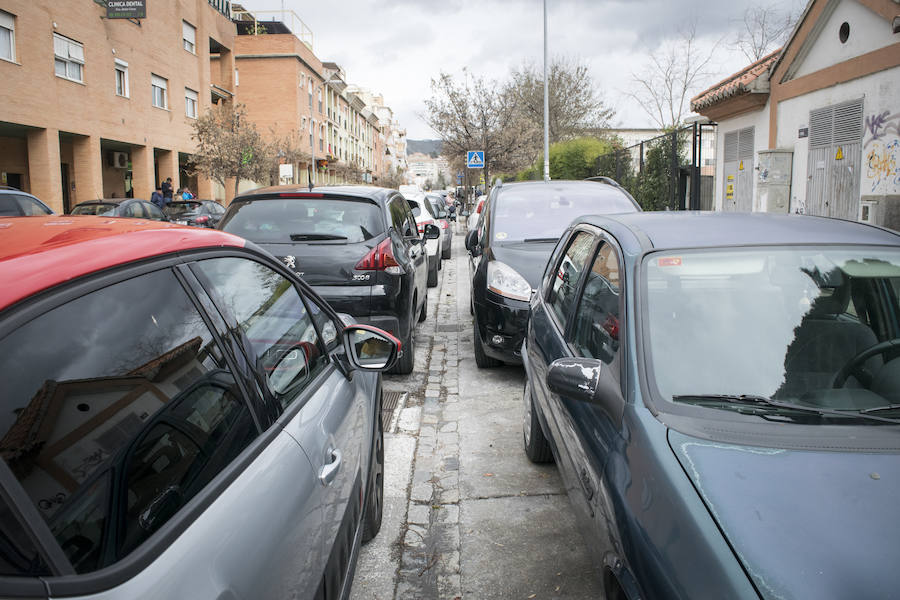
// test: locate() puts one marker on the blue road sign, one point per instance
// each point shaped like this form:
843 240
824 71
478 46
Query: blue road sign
475 159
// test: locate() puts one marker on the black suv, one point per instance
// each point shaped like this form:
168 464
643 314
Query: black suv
357 246
520 225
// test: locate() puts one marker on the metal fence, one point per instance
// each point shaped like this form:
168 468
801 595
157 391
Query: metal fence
674 171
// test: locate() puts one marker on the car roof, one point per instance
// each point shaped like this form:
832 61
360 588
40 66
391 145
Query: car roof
361 191
41 252
696 229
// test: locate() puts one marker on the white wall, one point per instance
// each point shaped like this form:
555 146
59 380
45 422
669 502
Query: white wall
759 120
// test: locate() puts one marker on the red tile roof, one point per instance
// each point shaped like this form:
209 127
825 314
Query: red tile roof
739 83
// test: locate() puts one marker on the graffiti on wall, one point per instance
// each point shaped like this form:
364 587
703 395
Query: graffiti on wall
881 148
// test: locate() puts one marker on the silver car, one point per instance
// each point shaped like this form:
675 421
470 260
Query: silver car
181 417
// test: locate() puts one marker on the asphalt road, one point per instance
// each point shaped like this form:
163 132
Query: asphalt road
466 514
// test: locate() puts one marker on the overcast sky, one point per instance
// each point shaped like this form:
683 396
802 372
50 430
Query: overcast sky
395 47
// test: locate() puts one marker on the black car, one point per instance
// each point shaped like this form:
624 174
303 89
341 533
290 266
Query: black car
16 203
721 393
520 225
196 213
121 207
358 247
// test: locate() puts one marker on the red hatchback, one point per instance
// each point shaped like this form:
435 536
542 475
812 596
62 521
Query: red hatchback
162 385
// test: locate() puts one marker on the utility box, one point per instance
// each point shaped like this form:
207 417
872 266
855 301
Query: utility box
773 184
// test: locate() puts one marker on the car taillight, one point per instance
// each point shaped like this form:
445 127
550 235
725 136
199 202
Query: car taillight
423 224
380 258
445 224
202 219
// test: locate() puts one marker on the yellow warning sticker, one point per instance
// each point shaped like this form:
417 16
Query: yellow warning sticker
741 166
731 178
840 154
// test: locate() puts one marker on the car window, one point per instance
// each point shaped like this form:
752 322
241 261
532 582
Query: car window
32 208
94 209
134 210
398 216
18 554
77 412
9 207
274 320
327 327
561 296
153 212
596 327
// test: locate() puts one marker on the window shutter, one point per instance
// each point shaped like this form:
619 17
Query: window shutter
189 32
848 122
731 146
158 81
7 20
61 47
76 52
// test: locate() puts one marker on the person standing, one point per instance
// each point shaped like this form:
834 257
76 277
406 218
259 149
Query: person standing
167 190
157 198
186 194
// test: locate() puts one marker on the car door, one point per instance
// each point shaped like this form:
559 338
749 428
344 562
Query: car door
413 245
320 408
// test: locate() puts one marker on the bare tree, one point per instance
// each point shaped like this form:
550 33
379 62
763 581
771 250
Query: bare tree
288 148
575 104
476 114
676 69
228 145
764 28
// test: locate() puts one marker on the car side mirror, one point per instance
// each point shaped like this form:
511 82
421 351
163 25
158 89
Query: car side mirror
586 380
472 243
432 232
369 348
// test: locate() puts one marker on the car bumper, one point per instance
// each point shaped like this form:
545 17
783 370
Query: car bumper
502 324
371 305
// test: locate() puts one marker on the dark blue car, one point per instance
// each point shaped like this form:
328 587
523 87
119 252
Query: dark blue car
721 393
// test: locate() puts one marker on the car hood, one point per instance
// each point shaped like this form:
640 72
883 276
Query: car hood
528 258
804 523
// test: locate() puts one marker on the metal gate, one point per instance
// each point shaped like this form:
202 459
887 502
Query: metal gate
835 154
737 194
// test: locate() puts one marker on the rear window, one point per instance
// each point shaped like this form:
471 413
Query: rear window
94 209
179 208
543 213
304 219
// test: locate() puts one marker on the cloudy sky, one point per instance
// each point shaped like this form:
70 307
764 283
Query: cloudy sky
396 47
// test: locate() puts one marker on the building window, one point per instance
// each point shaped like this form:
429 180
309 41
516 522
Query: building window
190 103
68 58
121 78
189 37
160 87
320 100
310 94
7 36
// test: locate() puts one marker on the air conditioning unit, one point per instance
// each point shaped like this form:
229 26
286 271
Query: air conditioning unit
118 160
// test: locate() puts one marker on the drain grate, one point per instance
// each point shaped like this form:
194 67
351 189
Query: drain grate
389 401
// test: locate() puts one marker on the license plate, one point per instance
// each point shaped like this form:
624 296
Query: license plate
179 222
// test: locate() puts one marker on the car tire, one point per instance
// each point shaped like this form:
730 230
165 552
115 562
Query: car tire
446 253
433 273
482 360
375 499
423 314
537 448
404 364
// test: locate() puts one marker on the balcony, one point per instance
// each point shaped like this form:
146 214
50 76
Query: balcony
262 22
223 6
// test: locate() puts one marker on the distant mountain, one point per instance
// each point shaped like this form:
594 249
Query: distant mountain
431 147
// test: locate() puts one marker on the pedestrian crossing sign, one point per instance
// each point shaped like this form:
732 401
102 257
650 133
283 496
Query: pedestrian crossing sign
475 159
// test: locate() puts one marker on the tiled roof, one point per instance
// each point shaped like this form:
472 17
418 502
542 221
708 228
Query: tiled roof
739 83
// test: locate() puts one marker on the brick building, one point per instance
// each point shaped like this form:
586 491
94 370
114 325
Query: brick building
94 107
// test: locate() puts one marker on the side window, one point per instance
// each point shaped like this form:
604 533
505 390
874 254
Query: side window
30 208
596 330
398 216
561 296
154 212
130 357
274 320
326 326
18 554
8 206
410 227
134 210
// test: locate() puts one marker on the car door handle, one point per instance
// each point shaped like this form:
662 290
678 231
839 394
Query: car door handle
413 253
328 472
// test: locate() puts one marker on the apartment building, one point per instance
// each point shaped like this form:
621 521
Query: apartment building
94 107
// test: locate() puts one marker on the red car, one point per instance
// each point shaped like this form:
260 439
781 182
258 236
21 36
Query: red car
163 385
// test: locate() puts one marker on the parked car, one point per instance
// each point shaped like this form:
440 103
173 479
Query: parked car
193 386
121 207
196 213
721 394
439 211
519 226
16 203
433 247
358 247
474 216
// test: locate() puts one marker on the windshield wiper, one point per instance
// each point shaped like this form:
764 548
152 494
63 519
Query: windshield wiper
305 237
752 400
878 409
528 240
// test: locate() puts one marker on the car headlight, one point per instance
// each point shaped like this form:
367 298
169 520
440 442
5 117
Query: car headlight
506 281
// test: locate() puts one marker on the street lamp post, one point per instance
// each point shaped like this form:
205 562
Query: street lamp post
546 105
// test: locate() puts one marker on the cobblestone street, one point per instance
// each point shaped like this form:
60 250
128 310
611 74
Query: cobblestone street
466 514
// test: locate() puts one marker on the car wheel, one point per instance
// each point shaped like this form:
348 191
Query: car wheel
446 253
433 273
537 449
482 360
375 499
423 314
404 364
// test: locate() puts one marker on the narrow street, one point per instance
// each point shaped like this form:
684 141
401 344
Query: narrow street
466 514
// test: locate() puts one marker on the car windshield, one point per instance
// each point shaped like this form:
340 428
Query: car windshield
805 326
95 209
543 212
304 219
173 209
